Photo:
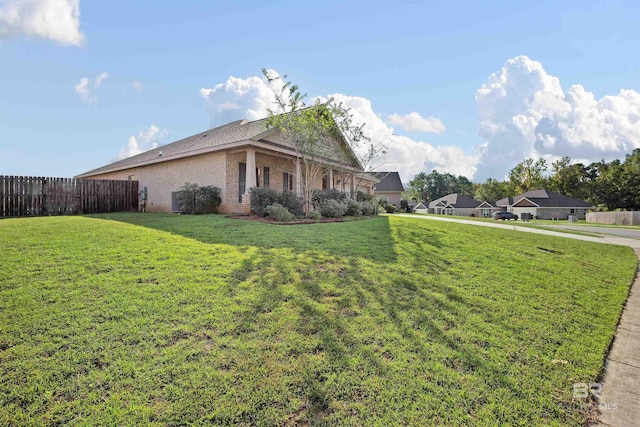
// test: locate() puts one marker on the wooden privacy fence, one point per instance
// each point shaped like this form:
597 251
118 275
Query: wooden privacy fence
28 195
619 218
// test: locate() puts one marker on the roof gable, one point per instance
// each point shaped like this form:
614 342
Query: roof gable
455 200
388 182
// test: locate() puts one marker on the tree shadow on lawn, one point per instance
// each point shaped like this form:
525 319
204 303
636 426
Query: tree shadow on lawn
334 299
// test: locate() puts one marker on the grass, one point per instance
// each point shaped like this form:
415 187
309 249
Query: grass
159 319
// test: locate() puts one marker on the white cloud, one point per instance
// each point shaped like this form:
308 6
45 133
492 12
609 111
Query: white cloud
137 86
146 140
57 20
250 98
85 89
524 112
238 99
414 122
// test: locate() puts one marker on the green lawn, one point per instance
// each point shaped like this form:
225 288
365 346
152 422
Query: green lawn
175 320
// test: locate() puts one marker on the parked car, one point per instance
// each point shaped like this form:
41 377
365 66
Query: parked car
505 215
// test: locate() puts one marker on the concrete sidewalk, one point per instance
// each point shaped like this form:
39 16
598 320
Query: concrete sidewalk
619 400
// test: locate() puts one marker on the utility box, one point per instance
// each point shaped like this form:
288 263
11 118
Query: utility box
526 216
573 218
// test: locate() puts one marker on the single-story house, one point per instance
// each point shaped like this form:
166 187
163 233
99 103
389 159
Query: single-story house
487 209
389 187
234 157
421 208
545 204
454 204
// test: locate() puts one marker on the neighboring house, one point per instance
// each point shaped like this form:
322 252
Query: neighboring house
486 210
389 187
545 204
454 204
234 157
421 208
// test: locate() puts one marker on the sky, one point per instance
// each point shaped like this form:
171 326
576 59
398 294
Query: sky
466 87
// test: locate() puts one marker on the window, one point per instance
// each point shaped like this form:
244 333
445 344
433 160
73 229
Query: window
287 181
257 177
242 180
573 211
265 176
175 204
325 181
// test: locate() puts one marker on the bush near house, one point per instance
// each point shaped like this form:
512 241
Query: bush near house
353 208
194 199
332 208
321 196
368 208
261 198
279 213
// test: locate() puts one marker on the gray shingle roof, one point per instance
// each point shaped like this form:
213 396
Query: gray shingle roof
239 130
207 141
456 200
545 199
389 181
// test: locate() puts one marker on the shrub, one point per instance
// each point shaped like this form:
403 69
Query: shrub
290 200
353 207
279 213
332 208
368 208
261 197
391 208
320 196
363 197
314 215
194 199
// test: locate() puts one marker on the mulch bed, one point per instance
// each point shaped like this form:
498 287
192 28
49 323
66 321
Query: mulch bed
297 221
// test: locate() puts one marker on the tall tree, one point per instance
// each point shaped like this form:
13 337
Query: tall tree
569 179
492 190
528 175
316 131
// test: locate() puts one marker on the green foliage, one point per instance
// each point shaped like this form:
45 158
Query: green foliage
139 319
331 208
492 190
353 207
364 197
279 213
321 196
314 215
390 208
261 197
528 175
194 199
369 208
425 188
290 200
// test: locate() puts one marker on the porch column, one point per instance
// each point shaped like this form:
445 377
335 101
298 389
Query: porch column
251 170
352 186
298 179
330 178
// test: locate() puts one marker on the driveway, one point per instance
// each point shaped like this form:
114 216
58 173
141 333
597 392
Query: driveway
618 401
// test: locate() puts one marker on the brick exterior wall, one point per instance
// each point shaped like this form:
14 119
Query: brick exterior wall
163 178
220 169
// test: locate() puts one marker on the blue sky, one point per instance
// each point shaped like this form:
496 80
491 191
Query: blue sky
463 87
